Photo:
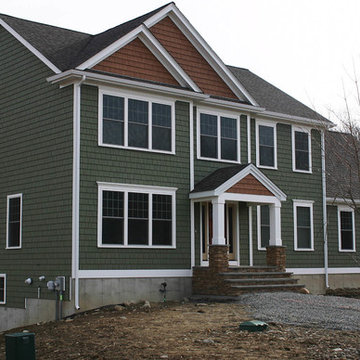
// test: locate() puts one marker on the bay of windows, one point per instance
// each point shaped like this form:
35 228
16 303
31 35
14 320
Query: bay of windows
131 217
137 123
219 137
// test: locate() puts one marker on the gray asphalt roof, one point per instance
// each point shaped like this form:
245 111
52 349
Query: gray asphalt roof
342 165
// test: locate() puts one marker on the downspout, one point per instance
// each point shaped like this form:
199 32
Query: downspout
248 138
323 172
76 187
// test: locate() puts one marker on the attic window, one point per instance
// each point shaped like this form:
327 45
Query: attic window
136 123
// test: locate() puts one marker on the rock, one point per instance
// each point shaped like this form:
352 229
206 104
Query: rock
304 291
164 357
201 304
123 317
208 341
146 304
119 308
69 320
337 349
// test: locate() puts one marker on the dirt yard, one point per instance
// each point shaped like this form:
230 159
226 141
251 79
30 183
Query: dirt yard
182 331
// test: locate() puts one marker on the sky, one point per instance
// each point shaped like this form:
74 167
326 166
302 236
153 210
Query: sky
309 48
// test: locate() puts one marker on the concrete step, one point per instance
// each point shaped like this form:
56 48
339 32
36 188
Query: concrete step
262 281
250 275
240 289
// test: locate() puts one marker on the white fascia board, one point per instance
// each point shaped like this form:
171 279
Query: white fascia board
291 119
233 105
342 201
101 274
70 76
36 52
209 54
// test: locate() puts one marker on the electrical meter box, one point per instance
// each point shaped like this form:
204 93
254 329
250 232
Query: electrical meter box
20 346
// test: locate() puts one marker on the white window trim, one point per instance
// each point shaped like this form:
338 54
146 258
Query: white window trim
306 131
346 209
309 204
7 222
269 124
145 189
136 96
218 114
258 213
3 276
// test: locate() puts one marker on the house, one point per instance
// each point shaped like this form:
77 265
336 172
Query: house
127 155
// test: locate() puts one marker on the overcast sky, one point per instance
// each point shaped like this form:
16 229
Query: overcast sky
307 48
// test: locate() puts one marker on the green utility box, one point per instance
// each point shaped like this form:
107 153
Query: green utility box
20 346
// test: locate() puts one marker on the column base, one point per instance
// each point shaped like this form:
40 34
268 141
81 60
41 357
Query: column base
276 256
219 258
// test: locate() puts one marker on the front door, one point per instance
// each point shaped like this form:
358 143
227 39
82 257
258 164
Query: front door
231 231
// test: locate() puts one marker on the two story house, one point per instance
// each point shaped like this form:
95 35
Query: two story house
136 157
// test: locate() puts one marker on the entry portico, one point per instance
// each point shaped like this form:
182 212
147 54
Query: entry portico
241 183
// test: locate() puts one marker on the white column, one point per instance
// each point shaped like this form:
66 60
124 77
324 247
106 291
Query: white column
218 213
251 257
275 224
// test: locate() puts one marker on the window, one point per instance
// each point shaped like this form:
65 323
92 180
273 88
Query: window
219 137
263 218
14 220
2 288
136 216
142 124
266 145
303 225
346 229
301 150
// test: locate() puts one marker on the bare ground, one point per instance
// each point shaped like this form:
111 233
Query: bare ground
183 331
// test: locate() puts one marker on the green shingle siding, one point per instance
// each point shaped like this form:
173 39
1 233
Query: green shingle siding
132 167
36 159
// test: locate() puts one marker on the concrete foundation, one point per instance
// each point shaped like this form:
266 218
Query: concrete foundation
95 293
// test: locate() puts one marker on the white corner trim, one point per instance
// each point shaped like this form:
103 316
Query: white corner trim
4 277
36 52
100 274
305 131
9 197
248 128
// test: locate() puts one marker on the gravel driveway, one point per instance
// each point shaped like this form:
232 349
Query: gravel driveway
331 312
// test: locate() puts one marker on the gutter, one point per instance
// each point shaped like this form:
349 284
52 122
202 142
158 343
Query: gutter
76 187
323 178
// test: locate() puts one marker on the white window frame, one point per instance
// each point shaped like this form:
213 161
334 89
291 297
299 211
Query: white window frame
258 213
144 189
309 204
135 96
4 277
346 209
274 126
9 197
308 132
218 114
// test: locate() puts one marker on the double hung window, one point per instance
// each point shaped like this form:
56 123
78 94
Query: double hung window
266 145
136 123
219 137
136 216
346 229
303 225
301 150
263 217
14 221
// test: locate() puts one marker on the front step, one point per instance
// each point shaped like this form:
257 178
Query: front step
252 269
262 281
257 274
241 289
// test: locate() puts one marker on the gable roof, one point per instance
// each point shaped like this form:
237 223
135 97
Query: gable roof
273 99
342 156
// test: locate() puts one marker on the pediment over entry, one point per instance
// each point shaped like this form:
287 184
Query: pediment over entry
241 179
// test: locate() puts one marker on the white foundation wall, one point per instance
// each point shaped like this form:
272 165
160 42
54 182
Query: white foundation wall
95 293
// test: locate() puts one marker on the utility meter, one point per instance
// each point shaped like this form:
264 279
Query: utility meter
60 283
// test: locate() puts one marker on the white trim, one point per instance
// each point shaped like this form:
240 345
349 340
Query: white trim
343 201
342 208
305 131
135 96
192 232
267 124
144 273
251 256
321 271
9 197
229 104
248 125
309 204
219 115
145 189
258 220
191 139
4 277
36 52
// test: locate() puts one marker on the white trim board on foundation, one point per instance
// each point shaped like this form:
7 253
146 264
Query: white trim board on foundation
98 274
321 271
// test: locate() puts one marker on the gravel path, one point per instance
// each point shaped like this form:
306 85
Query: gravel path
331 312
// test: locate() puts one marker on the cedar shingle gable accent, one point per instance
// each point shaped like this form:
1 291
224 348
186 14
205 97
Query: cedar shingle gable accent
249 185
136 60
191 61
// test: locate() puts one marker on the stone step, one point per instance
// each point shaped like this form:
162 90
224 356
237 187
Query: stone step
262 281
240 289
253 269
250 275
